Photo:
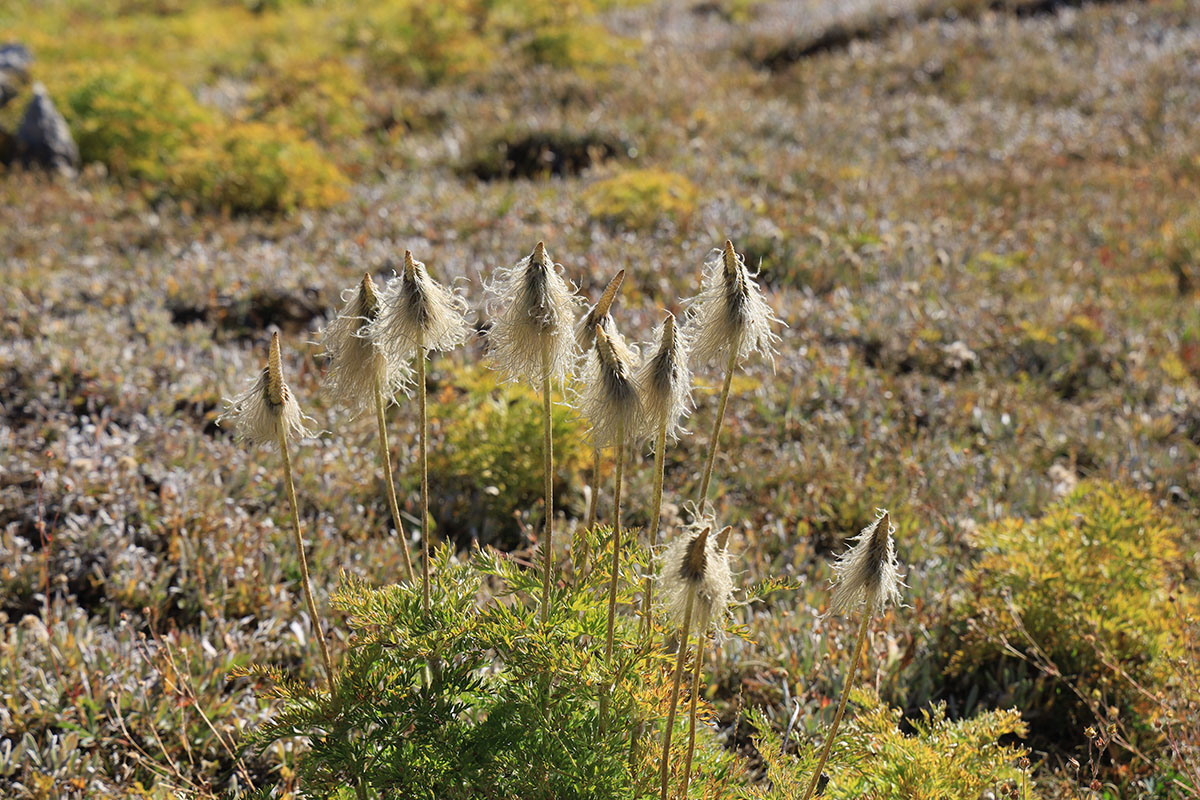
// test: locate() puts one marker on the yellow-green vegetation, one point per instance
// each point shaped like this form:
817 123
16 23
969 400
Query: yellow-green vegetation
642 198
1085 593
324 99
942 759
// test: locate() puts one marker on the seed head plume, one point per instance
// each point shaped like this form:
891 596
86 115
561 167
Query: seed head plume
355 361
610 400
534 314
418 312
868 572
665 382
598 315
730 317
265 410
698 561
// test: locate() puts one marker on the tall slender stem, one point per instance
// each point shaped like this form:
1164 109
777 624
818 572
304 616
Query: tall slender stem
424 466
841 709
593 502
548 479
714 438
616 567
699 662
679 659
385 455
304 580
660 446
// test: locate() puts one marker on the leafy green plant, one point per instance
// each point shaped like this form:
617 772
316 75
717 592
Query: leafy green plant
1080 595
941 759
478 698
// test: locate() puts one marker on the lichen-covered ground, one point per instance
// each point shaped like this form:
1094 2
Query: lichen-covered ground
980 225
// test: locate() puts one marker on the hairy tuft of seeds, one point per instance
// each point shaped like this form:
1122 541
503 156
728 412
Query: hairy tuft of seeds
267 410
355 361
598 315
730 315
697 561
868 573
610 400
417 312
665 382
533 308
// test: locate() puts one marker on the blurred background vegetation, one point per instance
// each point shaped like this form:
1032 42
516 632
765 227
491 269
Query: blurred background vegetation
978 219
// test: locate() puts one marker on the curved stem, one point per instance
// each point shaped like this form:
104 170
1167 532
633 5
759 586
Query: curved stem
386 457
679 659
714 438
304 579
660 447
837 719
424 466
548 479
687 764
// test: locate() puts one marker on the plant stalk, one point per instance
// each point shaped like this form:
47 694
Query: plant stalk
304 580
714 438
548 478
660 447
679 659
386 457
687 764
424 467
593 502
837 719
616 567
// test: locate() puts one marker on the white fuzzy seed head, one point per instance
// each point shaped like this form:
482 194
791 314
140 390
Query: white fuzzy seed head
355 362
610 399
665 382
416 313
534 314
697 561
868 571
730 314
267 410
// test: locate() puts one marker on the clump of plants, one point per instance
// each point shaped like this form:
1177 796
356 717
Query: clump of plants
490 675
1075 613
641 198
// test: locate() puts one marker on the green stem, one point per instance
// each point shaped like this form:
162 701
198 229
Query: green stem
660 447
548 481
593 502
386 457
714 438
679 659
687 764
304 579
837 719
616 568
424 467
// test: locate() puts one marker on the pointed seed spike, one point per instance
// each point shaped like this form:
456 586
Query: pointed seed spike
539 252
610 294
723 538
668 332
369 293
275 372
695 559
410 269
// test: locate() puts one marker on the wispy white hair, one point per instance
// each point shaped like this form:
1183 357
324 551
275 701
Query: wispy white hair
730 314
665 381
417 312
868 571
267 410
610 398
355 361
697 561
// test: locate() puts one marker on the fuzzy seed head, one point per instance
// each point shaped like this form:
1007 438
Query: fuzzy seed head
697 561
868 571
267 410
598 315
418 313
533 308
356 362
665 383
730 314
610 400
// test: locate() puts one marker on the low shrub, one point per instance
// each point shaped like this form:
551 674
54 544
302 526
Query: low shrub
940 760
1068 611
252 167
133 120
324 99
640 198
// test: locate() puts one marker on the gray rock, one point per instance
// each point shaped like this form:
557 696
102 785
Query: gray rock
43 138
15 60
